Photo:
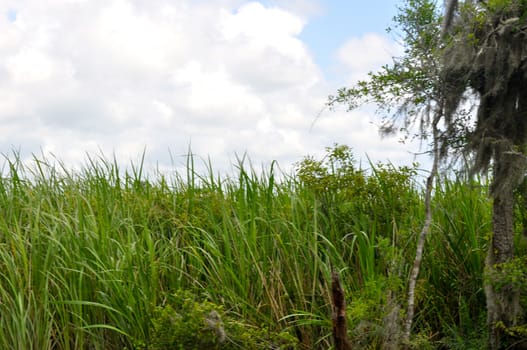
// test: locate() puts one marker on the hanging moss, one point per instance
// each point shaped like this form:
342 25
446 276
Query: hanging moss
487 56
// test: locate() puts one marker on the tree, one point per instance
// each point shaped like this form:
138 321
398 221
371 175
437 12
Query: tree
473 57
486 55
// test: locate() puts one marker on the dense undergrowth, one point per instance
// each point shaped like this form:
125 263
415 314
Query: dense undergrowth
99 259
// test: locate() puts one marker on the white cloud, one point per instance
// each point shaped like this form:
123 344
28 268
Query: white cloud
29 66
361 55
264 27
215 93
135 40
262 49
119 76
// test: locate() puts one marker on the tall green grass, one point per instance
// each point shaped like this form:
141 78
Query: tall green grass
454 263
86 256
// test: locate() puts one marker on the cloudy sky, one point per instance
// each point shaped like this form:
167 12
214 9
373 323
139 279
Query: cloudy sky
222 77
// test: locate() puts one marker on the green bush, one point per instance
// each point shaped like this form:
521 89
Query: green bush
356 200
370 214
183 323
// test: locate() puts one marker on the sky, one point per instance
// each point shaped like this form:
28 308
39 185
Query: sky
222 78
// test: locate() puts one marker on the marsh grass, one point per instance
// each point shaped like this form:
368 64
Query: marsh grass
453 267
87 256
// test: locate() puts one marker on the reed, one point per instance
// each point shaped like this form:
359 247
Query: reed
86 257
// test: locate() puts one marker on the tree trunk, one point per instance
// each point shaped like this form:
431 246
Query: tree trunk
340 327
503 300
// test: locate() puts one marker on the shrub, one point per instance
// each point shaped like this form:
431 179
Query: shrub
184 323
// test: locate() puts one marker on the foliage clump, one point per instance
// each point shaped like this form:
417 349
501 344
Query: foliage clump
184 323
513 272
350 197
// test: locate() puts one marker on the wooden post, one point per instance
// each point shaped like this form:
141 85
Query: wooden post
340 327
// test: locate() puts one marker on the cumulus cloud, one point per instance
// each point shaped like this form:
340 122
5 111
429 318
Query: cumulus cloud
118 76
360 55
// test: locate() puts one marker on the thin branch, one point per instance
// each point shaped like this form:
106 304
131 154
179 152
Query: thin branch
424 232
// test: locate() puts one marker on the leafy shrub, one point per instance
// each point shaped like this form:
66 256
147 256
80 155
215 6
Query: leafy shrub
355 201
368 214
183 323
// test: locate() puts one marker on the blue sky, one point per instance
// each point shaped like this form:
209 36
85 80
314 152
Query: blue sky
341 19
11 15
224 77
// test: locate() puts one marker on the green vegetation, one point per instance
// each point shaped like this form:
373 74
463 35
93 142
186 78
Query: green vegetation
461 80
99 259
